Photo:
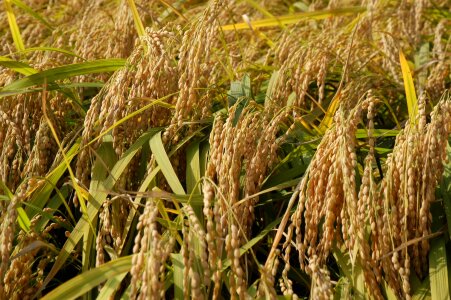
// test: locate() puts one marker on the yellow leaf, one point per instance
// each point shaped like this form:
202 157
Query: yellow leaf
15 31
328 118
411 97
294 18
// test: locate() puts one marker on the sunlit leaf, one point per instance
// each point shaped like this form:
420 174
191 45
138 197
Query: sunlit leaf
59 73
14 28
88 280
295 18
411 97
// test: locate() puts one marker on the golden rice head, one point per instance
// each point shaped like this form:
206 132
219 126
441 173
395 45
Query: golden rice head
7 235
23 279
413 170
328 191
148 76
112 223
150 252
321 284
94 34
20 117
194 68
197 273
436 81
248 144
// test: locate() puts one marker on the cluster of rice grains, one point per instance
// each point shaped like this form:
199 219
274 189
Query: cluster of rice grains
244 150
194 71
28 150
330 212
340 205
333 210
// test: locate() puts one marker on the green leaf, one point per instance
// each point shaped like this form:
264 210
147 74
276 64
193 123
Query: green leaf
17 66
32 13
110 286
193 168
193 175
226 263
239 95
148 183
235 93
246 85
271 87
63 88
390 294
438 264
351 270
22 218
327 121
420 290
96 198
177 262
6 190
138 24
411 97
157 147
363 133
438 270
105 160
14 28
86 281
59 73
51 49
50 208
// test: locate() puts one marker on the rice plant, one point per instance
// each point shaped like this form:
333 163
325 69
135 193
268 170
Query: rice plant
236 149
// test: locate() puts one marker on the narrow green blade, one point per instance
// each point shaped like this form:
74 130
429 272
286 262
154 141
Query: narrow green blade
59 73
84 282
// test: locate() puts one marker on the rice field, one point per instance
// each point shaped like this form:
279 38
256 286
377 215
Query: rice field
235 149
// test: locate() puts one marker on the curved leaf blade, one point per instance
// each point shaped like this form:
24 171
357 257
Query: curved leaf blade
15 31
59 73
88 280
411 97
294 18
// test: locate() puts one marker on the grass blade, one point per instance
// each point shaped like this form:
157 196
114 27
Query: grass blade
438 264
138 24
193 175
438 270
270 227
86 281
193 168
110 286
421 290
96 198
15 31
294 18
22 218
59 73
177 262
50 49
32 13
326 122
411 97
17 66
157 147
